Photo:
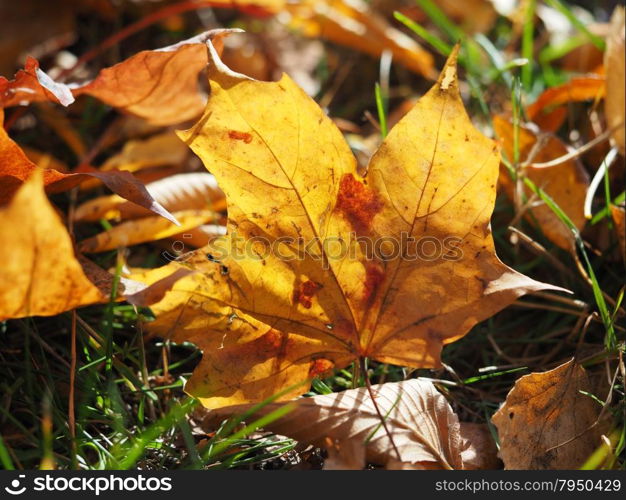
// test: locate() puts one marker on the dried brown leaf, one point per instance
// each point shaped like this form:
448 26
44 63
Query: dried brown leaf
424 427
549 421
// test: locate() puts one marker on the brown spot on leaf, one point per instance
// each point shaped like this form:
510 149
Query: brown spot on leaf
240 136
357 203
374 275
320 366
305 292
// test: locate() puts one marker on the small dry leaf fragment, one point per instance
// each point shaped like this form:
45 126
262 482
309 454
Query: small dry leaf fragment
566 183
145 229
614 64
548 422
41 275
289 175
424 427
190 191
32 84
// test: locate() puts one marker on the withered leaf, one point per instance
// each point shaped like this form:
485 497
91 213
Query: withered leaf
547 111
190 191
159 85
145 229
31 84
424 427
548 420
42 275
15 168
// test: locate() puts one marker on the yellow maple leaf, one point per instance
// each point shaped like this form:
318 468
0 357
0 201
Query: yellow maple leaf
321 267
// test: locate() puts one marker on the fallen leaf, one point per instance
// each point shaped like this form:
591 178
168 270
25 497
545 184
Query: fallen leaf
354 24
31 84
190 191
546 423
547 112
566 183
289 176
158 150
424 427
15 168
41 275
145 229
159 85
614 64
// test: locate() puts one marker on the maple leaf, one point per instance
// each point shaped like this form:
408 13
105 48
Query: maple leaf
266 319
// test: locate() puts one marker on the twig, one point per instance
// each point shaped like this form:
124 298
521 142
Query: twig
383 420
573 154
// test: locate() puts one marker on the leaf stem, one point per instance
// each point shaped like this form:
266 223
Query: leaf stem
383 420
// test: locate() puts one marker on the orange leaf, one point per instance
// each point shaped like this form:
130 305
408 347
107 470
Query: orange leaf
546 111
157 85
566 183
15 168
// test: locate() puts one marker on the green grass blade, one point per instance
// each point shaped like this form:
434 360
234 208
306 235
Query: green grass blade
438 44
